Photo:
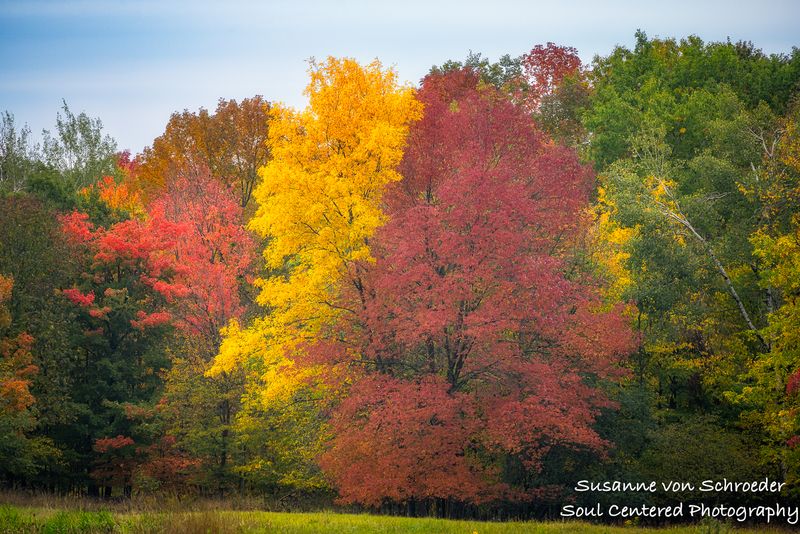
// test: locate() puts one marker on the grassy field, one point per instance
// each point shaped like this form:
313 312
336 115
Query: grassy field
20 519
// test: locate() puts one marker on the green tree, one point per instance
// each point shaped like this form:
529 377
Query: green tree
682 132
79 150
16 155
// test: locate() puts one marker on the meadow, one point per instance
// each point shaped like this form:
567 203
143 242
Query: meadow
29 513
17 519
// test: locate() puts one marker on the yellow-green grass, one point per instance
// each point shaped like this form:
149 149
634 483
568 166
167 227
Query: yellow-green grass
18 519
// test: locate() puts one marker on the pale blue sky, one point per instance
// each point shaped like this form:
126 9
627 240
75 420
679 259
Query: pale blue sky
133 63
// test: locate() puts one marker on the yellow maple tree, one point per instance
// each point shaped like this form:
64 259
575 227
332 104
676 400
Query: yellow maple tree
319 202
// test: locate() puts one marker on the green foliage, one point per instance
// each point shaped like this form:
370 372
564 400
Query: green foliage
698 448
200 412
280 445
16 155
684 85
46 184
502 73
687 135
79 150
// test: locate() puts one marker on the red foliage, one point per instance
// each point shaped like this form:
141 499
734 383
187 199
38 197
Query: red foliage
793 384
477 344
77 228
150 320
126 164
213 254
416 442
544 67
105 445
131 241
166 464
100 313
76 297
119 459
116 461
191 251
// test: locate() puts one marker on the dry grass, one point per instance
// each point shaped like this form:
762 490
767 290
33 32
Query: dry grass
155 503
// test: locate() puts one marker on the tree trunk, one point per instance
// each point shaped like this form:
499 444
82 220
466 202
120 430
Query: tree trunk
678 216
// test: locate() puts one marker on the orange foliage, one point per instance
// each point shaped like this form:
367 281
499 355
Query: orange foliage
231 144
16 360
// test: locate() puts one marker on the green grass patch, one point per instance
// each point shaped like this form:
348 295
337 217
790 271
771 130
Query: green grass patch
24 520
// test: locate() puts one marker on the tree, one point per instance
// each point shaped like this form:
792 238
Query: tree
198 414
677 135
544 68
230 143
242 131
198 411
19 454
215 251
467 346
79 150
319 203
771 401
685 136
179 265
337 157
16 155
34 255
121 303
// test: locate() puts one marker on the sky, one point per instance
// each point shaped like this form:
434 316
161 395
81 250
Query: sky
132 64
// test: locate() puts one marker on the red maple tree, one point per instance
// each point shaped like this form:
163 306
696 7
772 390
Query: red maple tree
213 255
472 338
191 251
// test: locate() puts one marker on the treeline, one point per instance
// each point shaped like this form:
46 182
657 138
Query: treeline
453 298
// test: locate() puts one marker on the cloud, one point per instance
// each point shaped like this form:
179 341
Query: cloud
149 58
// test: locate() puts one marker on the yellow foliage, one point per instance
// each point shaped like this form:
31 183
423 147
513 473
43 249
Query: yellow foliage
319 202
659 189
610 240
781 254
789 149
